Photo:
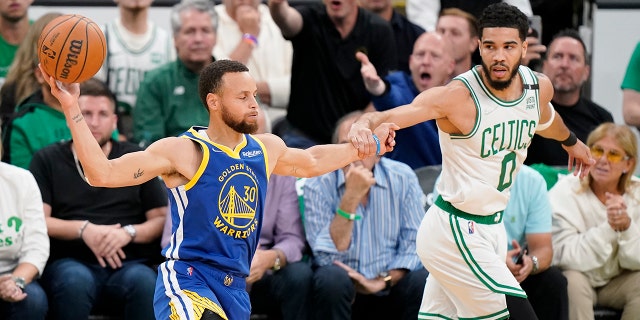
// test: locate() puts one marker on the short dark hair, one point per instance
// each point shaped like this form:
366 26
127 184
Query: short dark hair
503 15
96 88
211 77
574 34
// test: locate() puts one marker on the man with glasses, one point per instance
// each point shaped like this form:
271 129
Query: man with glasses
567 66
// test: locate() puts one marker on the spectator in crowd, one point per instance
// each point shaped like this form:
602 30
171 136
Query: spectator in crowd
325 74
21 81
167 102
135 45
361 223
596 237
567 66
461 28
631 90
40 110
425 12
103 240
14 25
277 269
431 64
404 32
248 34
527 219
24 245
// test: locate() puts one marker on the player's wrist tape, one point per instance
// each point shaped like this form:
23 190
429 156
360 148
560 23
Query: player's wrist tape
347 215
571 140
249 38
377 140
81 230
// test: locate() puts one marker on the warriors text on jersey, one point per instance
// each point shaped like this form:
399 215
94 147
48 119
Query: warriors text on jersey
478 167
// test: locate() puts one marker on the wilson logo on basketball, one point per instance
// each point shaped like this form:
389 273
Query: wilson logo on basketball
75 49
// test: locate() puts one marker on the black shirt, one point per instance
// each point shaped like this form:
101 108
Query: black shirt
580 118
71 198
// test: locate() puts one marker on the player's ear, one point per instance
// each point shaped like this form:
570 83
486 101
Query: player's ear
213 101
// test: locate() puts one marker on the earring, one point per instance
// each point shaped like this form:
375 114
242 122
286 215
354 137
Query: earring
624 171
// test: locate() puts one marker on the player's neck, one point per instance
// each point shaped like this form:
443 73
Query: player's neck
134 20
225 136
14 32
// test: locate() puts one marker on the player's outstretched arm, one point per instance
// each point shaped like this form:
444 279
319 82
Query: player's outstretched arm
430 104
130 169
319 159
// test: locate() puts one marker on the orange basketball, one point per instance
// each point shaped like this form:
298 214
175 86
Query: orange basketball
72 48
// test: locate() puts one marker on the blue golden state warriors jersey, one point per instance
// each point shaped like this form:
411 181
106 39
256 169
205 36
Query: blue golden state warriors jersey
216 217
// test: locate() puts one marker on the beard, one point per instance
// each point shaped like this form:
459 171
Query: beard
500 84
238 125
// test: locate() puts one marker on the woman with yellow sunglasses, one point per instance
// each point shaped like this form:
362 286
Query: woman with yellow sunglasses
596 234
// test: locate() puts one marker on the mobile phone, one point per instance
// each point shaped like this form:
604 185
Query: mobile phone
535 23
518 259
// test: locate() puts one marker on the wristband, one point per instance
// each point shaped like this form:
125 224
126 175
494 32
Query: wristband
571 140
348 216
81 230
249 38
375 138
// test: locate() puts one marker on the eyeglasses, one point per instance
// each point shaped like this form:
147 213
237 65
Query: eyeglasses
612 156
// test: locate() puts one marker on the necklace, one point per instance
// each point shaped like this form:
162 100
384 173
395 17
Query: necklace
78 165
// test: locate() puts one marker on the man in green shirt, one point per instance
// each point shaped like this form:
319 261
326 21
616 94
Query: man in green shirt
168 102
14 24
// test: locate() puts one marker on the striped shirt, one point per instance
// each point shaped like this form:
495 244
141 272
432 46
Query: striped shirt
385 237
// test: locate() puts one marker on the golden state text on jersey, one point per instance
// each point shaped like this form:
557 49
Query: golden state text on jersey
217 216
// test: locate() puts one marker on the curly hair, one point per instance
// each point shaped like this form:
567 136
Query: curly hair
503 15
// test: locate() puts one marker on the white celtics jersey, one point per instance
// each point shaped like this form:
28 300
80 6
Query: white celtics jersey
125 66
478 168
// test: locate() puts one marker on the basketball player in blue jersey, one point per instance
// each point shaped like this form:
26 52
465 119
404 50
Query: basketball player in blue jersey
216 178
486 118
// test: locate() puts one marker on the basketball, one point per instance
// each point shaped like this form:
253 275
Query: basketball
71 48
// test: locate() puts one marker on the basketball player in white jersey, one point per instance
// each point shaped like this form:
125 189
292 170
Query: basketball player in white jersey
486 118
135 45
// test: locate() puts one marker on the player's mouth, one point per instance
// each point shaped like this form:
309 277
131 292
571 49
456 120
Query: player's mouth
499 71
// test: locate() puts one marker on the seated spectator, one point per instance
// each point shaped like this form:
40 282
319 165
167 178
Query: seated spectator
431 65
21 81
527 219
361 223
567 66
405 32
24 245
247 33
40 110
631 90
167 103
461 28
14 25
135 46
276 270
103 240
596 236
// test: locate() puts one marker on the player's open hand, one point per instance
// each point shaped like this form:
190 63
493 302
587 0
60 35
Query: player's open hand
372 80
66 93
580 159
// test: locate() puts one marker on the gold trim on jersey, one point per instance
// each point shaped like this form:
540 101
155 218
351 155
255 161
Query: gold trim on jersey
235 153
266 155
203 164
199 304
